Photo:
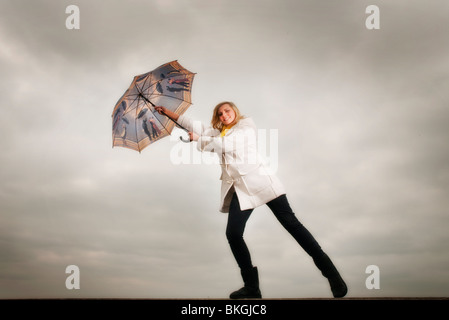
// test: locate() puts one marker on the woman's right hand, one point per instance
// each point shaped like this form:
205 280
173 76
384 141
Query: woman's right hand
160 109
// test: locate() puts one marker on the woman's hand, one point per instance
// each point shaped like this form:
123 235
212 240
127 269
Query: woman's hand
193 136
166 112
161 110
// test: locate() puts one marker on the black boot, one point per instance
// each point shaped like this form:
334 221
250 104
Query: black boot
251 289
338 286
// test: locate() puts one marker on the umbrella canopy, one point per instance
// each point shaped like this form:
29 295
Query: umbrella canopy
135 122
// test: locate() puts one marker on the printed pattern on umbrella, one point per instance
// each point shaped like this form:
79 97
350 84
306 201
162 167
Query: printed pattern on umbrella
135 123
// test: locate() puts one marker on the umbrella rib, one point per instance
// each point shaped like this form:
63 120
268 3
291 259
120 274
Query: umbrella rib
143 85
147 88
142 88
136 98
135 125
146 79
161 95
169 77
165 115
148 106
147 101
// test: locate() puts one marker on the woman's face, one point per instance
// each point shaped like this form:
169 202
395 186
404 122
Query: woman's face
226 114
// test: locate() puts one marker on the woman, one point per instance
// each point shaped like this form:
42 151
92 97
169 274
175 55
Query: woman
246 184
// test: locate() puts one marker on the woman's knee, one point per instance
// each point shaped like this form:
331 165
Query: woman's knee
233 235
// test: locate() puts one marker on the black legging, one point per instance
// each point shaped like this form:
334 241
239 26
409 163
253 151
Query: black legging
281 209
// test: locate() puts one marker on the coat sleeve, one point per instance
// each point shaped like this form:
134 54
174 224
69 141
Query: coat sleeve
240 137
191 125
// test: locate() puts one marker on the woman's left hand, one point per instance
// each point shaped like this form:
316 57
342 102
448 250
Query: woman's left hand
193 136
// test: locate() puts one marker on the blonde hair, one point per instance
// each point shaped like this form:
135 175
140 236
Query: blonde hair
216 123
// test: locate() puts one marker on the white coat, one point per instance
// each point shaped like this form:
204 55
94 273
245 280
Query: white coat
242 168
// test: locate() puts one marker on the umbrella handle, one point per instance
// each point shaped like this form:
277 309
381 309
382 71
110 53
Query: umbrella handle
184 140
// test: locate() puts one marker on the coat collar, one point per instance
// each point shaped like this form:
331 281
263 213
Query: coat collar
245 122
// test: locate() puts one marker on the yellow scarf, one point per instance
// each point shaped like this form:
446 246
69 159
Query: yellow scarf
225 130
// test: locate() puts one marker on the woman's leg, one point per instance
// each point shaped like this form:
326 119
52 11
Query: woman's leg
283 212
234 232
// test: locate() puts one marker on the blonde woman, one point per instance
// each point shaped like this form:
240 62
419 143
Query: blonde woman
247 184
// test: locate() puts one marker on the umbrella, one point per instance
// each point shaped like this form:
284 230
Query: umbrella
135 122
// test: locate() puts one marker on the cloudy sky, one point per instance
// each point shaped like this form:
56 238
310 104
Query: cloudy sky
362 123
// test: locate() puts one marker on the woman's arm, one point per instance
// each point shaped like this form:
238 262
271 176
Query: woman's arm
196 129
239 139
169 113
